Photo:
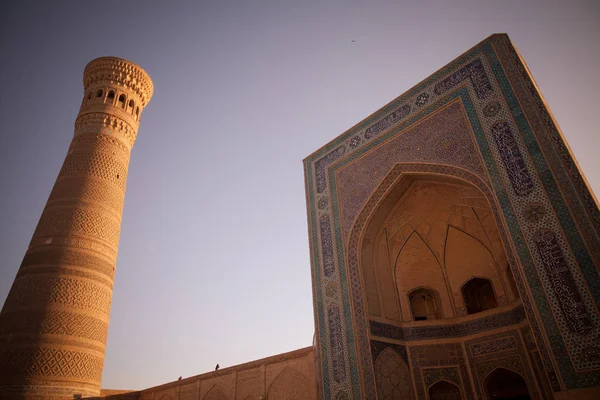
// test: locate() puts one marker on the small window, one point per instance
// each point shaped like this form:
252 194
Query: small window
443 390
99 93
137 113
479 295
111 97
425 304
131 107
122 101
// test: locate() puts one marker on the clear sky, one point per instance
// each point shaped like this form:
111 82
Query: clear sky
213 264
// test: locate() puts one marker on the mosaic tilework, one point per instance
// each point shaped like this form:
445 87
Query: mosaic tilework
433 375
336 343
447 356
473 71
550 139
444 138
572 306
541 375
503 350
377 347
544 355
493 346
512 158
387 122
577 257
463 329
487 99
539 371
326 245
341 395
575 193
321 165
393 376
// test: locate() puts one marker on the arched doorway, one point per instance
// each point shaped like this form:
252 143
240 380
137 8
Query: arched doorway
443 390
503 384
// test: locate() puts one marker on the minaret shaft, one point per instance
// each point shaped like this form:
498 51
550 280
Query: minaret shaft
54 323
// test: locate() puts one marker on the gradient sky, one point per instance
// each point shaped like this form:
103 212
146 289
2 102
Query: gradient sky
213 264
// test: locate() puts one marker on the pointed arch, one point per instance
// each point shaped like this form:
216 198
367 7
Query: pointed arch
392 376
466 256
417 266
479 295
289 385
505 384
373 212
416 236
215 393
444 390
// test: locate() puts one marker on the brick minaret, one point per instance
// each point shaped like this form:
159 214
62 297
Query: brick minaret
54 323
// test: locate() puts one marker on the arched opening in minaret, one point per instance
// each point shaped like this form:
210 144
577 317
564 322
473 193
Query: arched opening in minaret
432 250
478 295
99 93
137 113
122 101
110 98
131 107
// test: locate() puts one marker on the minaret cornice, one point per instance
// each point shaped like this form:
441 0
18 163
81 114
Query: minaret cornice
118 71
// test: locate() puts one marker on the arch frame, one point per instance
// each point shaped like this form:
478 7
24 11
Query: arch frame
386 189
503 108
460 391
484 380
497 266
441 380
393 352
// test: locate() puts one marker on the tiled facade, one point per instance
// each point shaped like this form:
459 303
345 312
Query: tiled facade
479 122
